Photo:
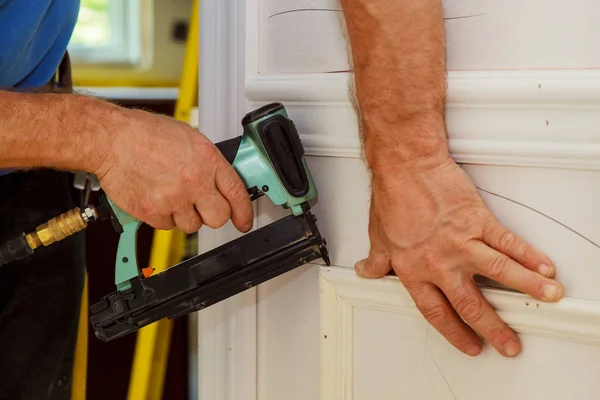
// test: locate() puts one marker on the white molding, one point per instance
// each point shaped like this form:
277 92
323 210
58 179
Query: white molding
531 87
523 118
341 290
130 93
227 330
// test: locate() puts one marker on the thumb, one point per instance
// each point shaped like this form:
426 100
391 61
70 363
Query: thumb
373 267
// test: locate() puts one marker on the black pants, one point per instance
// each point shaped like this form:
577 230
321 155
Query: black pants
40 295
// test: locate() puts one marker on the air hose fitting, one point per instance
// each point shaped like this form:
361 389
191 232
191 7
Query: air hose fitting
55 230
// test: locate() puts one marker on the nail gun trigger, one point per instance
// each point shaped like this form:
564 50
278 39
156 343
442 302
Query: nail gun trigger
255 193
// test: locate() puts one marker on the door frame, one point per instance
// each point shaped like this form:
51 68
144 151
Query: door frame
227 331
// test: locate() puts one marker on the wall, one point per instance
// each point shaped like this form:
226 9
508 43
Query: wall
526 137
523 108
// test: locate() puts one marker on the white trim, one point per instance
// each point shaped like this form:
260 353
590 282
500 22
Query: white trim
130 93
341 290
533 87
227 330
524 118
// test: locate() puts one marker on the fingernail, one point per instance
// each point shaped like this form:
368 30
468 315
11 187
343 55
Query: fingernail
473 349
546 270
360 266
549 291
511 348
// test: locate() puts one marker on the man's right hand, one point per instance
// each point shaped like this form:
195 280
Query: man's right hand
166 174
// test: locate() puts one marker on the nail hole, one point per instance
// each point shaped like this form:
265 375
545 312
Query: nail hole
125 259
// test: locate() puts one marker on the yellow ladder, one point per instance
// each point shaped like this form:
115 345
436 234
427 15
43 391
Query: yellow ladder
168 247
152 346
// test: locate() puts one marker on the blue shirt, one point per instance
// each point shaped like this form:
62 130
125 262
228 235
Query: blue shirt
34 35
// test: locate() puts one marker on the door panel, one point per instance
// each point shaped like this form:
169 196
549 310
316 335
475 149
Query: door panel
529 140
375 343
307 36
288 342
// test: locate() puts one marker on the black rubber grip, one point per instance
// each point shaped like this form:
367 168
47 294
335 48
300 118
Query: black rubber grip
282 142
261 113
229 148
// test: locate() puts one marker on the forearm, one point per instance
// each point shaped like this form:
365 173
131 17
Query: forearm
62 131
398 56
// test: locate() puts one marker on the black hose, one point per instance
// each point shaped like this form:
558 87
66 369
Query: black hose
14 250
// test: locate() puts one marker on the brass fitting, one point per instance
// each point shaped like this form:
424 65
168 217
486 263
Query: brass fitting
60 227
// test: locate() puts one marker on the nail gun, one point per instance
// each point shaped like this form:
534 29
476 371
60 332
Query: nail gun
269 158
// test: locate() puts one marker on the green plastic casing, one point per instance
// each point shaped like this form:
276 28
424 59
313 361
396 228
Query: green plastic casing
256 169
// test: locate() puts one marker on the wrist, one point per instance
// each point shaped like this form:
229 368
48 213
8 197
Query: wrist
415 144
100 122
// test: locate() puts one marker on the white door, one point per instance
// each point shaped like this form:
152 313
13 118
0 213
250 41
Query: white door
524 121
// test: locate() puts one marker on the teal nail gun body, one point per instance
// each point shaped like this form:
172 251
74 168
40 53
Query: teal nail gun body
269 158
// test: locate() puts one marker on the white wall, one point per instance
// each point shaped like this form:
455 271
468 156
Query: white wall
527 135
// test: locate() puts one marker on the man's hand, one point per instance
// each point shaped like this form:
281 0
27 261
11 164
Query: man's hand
427 221
167 174
431 226
156 168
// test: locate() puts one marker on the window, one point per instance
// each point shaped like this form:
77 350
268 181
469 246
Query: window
108 32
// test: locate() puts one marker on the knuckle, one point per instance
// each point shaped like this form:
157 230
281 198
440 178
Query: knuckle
235 189
470 308
148 208
497 268
189 223
216 221
163 224
508 240
495 333
219 216
190 175
438 315
210 153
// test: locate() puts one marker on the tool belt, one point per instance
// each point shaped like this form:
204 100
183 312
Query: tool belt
61 81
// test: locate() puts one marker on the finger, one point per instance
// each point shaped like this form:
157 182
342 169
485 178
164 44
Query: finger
439 313
375 266
188 220
497 266
214 209
149 213
500 238
234 191
470 304
378 263
161 223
